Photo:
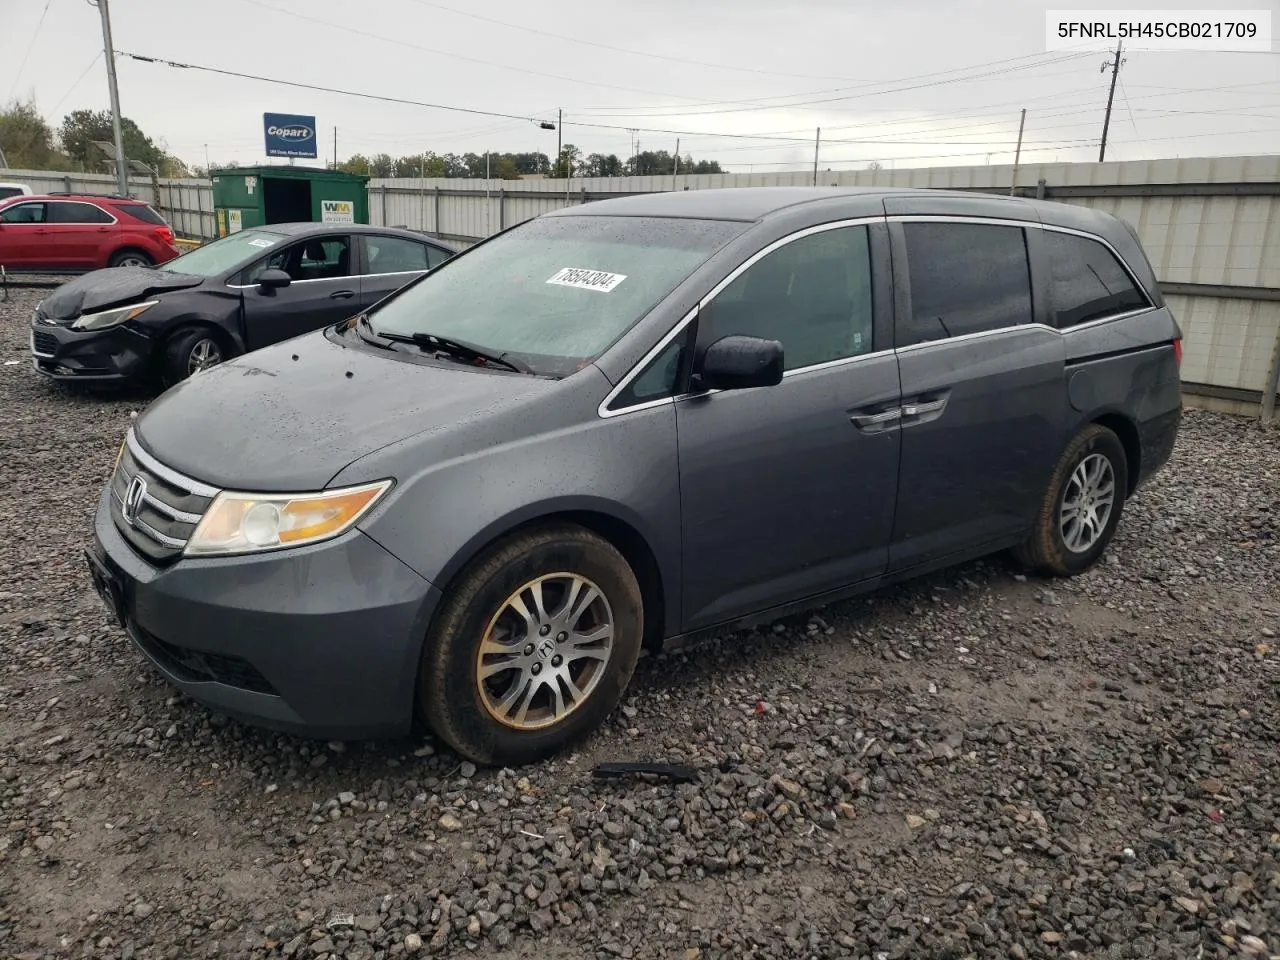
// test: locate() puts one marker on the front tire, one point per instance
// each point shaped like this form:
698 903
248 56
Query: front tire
1082 506
190 351
533 648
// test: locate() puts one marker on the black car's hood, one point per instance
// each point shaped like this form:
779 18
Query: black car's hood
291 416
113 287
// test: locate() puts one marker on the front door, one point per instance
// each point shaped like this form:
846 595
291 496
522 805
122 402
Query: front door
788 491
24 239
323 290
983 397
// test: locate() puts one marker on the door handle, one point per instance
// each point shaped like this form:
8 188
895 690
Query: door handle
920 409
342 295
916 412
865 420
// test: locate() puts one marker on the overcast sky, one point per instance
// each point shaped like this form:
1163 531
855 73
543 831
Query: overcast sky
666 68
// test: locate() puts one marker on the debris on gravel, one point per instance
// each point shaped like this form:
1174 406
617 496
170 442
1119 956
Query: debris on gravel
979 764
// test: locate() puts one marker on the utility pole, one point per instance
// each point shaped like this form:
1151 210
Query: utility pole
122 169
335 148
676 173
817 142
1106 123
1017 155
559 136
207 165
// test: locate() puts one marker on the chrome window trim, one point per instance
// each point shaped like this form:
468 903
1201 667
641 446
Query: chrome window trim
84 203
330 236
25 223
389 273
1029 224
194 487
294 283
603 409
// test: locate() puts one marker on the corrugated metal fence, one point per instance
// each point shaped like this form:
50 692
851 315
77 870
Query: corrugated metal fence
186 204
1210 225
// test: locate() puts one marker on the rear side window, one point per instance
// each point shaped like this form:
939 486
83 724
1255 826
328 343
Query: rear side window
66 211
965 278
23 213
11 192
395 255
437 256
143 213
1086 281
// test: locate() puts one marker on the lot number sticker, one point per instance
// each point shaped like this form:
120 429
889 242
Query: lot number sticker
596 280
337 211
260 242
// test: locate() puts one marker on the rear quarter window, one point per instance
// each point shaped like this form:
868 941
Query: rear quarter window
142 212
1086 281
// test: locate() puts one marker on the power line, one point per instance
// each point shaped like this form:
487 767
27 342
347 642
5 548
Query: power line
80 79
458 56
30 46
508 116
774 102
664 57
323 89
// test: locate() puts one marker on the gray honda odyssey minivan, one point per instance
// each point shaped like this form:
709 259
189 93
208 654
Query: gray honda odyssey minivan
625 423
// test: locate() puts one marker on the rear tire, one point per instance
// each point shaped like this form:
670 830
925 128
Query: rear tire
1081 507
499 686
190 351
129 258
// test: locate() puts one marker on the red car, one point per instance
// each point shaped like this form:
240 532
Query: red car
72 233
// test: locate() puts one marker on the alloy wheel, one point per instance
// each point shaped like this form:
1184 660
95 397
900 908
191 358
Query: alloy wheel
1087 502
204 354
544 651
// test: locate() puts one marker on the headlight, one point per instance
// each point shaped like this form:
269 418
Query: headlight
111 318
252 522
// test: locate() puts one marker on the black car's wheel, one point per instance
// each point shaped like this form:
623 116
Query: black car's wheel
129 258
190 351
533 647
1082 506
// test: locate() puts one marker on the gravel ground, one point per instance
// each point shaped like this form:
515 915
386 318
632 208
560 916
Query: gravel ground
975 765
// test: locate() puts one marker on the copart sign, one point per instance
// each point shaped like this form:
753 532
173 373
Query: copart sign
289 135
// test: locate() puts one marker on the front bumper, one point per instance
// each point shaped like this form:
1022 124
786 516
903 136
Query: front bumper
117 353
322 641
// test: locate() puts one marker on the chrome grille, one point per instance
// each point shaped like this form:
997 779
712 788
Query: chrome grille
156 509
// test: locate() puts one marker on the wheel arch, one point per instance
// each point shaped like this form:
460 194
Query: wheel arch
193 321
606 521
130 248
1127 431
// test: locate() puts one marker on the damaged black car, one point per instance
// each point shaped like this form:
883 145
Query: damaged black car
239 293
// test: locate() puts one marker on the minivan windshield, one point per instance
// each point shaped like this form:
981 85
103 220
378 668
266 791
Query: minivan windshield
223 255
557 291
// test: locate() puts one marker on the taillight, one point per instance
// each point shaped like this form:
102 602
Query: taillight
167 236
1177 351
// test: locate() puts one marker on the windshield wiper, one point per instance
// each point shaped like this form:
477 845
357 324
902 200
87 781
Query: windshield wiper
466 351
362 324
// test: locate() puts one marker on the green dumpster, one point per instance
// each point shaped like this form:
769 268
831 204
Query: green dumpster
246 197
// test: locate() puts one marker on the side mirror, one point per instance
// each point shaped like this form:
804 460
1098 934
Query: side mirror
738 363
273 280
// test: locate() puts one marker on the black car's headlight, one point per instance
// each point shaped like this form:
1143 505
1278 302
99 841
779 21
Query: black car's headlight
111 318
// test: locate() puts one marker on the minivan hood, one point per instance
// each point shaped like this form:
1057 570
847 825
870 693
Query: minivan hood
291 416
112 287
